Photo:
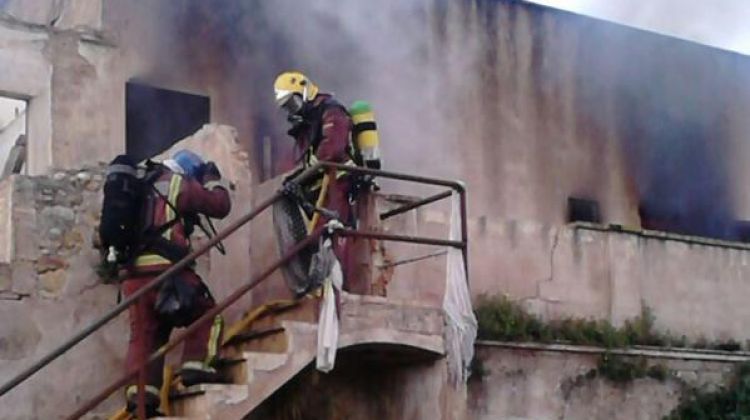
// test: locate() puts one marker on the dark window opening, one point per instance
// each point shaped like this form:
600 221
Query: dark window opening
583 210
157 118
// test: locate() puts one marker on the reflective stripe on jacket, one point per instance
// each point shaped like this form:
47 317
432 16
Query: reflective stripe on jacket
188 196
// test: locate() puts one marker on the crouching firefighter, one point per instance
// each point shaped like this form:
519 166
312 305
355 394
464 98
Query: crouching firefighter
321 128
173 195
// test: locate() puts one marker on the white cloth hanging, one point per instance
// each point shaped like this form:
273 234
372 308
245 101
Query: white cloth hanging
461 324
328 322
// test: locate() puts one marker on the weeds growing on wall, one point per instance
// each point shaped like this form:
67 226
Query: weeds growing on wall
618 370
621 370
505 320
731 402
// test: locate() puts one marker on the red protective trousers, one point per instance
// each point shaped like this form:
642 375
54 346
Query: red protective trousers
148 332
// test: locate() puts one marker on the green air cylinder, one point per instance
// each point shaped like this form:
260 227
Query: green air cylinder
365 134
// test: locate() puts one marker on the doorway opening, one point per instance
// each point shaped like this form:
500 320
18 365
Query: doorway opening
157 118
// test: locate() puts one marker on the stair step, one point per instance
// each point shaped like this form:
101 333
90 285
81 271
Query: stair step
254 335
198 401
265 361
253 363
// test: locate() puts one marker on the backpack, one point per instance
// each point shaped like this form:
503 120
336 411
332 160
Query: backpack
121 209
126 208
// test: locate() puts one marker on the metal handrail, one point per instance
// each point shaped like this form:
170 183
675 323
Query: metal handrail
122 306
302 177
414 205
207 317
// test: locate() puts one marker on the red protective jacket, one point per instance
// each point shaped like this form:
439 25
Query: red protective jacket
325 136
188 196
325 132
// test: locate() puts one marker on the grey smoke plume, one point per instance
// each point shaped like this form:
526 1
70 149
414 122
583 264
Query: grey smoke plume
383 52
527 105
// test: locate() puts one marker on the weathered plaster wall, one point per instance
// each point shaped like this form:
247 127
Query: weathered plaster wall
540 383
54 54
67 14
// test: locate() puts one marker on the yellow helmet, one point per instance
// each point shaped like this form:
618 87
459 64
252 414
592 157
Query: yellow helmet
289 83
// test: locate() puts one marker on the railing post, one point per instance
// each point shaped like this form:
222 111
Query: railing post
141 382
464 233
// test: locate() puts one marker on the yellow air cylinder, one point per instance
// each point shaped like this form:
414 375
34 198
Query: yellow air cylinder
365 134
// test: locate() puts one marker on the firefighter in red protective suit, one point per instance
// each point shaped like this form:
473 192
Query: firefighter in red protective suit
321 127
185 188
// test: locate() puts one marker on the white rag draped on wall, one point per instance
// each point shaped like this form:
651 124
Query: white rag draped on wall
328 323
461 324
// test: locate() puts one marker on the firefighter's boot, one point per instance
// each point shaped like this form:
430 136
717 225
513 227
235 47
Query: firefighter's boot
193 373
152 400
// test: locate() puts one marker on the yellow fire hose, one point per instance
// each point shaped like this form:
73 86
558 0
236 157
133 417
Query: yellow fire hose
319 203
122 414
166 386
253 315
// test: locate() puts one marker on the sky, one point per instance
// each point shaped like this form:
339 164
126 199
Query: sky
720 23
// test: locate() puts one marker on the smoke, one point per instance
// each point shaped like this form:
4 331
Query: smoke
383 52
721 24
527 105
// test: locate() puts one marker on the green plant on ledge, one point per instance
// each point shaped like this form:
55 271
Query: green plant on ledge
502 319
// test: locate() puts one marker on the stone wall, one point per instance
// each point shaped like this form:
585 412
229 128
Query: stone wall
50 290
553 382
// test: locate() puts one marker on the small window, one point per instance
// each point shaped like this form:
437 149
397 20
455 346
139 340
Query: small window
157 118
583 210
12 135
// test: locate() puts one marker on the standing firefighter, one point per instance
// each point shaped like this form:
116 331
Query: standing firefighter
177 193
321 128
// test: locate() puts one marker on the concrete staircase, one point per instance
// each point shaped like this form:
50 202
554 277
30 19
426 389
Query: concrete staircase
260 365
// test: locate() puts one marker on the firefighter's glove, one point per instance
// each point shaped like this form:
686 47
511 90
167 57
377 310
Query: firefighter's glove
333 225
